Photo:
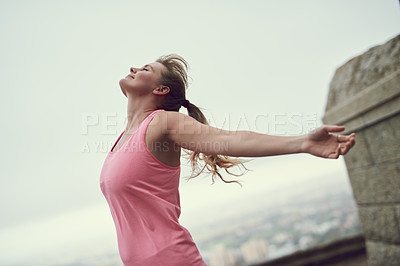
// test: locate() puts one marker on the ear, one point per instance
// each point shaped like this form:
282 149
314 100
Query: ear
161 90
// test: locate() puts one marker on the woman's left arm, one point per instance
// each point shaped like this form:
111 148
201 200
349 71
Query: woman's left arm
190 134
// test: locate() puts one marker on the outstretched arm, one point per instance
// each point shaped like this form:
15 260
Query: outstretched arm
190 134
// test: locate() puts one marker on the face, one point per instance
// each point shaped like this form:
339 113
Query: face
141 81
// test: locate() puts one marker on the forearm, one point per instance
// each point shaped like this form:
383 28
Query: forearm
252 144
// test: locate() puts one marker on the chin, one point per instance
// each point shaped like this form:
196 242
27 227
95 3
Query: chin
121 82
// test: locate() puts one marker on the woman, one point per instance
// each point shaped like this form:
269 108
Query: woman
140 175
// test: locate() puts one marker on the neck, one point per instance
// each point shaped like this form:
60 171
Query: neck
137 110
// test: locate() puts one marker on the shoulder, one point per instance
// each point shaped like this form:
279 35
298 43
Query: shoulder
164 121
171 122
160 124
171 118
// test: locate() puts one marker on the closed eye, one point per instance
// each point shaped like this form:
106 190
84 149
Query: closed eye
147 68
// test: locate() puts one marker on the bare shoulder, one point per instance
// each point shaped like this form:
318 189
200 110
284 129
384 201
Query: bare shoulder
170 120
160 126
166 126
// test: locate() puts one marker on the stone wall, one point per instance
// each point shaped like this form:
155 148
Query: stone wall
364 96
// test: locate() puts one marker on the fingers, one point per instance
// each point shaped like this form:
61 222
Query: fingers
346 145
334 128
344 149
335 155
343 138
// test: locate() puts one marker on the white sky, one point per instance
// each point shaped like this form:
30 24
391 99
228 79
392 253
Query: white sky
254 65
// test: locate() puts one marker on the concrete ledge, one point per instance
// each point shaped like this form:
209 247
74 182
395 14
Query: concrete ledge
380 223
383 97
366 183
329 254
364 96
378 144
380 253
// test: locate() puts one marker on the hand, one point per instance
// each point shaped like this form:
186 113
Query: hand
322 142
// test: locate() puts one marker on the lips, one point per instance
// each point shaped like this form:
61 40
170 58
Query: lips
129 76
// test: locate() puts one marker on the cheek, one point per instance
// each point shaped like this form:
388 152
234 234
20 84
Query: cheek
147 78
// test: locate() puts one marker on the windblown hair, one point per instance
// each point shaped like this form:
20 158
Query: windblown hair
176 78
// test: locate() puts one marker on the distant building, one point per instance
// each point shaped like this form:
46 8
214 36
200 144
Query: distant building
254 250
222 256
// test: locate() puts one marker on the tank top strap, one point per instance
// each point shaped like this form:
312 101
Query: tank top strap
150 117
143 126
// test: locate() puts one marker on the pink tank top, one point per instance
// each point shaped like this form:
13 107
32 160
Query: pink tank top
143 197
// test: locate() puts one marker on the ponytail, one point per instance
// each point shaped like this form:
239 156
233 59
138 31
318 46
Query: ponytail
210 163
175 77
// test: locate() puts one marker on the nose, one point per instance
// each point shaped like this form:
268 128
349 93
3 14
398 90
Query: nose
133 70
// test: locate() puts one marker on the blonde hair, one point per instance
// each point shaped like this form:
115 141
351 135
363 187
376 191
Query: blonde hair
176 78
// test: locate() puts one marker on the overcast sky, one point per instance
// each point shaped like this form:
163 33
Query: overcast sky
255 65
